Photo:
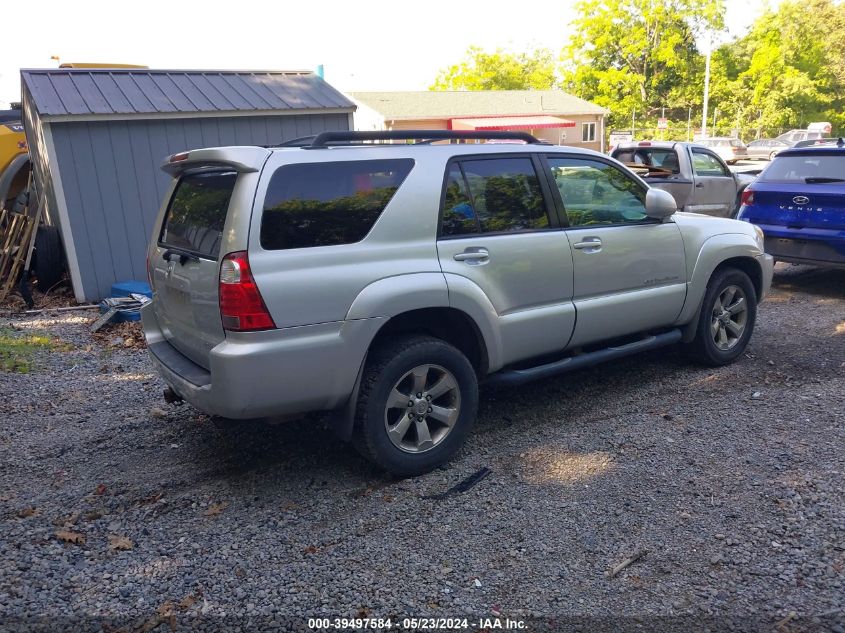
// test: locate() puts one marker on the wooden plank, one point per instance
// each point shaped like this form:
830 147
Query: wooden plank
31 247
20 256
15 253
6 252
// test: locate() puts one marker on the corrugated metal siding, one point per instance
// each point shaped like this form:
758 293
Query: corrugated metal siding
113 184
64 92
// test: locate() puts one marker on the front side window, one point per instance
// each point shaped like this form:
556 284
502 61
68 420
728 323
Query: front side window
588 132
595 193
197 212
705 164
496 195
324 204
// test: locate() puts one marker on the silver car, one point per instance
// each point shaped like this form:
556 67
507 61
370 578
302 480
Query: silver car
765 148
383 282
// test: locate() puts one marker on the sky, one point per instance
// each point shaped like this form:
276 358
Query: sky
363 46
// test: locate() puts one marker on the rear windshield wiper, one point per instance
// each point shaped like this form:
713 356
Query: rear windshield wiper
184 256
821 179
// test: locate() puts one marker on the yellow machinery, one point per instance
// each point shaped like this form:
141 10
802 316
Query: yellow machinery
12 142
13 157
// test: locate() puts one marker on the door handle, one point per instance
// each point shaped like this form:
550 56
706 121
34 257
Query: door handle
699 185
590 244
473 255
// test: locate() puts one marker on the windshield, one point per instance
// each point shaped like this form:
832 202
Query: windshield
817 167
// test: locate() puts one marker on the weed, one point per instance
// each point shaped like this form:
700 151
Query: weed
17 350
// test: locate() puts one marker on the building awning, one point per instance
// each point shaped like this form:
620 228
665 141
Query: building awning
511 123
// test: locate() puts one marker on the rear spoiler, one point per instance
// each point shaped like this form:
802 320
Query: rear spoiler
241 159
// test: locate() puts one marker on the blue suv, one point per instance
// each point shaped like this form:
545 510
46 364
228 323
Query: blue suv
799 203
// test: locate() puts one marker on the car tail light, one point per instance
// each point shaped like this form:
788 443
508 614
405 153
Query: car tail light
644 144
747 197
241 307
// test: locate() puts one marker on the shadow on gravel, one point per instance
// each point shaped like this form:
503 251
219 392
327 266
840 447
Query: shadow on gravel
266 455
585 395
823 282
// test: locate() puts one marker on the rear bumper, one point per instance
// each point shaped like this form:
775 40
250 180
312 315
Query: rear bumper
270 373
821 247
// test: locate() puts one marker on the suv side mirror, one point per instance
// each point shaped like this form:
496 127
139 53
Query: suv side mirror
659 204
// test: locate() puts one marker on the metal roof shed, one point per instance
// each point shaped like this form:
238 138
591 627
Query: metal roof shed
98 137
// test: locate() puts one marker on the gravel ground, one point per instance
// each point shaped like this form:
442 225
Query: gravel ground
729 483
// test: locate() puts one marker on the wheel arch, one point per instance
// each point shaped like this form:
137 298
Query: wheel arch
750 266
725 250
449 324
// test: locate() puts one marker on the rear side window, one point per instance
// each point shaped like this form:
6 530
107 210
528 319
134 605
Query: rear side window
324 204
458 215
493 196
197 212
653 157
815 168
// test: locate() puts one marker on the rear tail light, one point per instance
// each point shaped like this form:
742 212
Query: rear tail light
747 197
241 307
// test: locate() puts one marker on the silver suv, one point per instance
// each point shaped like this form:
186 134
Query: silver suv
383 282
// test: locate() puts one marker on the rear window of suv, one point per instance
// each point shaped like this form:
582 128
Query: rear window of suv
197 212
818 167
325 204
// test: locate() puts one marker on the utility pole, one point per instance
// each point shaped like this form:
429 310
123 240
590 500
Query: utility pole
689 124
706 88
633 124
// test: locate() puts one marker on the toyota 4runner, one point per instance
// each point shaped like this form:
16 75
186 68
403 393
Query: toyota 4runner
383 282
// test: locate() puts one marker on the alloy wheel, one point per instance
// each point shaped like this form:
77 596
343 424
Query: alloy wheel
730 316
422 408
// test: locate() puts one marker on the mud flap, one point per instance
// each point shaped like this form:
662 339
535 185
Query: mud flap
343 419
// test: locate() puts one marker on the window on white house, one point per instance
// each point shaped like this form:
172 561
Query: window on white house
588 132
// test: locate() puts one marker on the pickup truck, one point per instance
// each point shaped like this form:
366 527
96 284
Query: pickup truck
696 176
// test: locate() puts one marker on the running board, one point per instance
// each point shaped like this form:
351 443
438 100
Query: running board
515 377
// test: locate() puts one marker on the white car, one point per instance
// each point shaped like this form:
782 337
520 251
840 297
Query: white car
730 149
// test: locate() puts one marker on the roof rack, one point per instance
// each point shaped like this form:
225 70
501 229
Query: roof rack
327 139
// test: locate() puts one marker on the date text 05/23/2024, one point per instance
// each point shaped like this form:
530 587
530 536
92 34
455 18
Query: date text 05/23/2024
416 624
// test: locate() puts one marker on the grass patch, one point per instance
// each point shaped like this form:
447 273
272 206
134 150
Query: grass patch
17 350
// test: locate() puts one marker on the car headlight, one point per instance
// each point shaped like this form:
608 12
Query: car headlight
760 237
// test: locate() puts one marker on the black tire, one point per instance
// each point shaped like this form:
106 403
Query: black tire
48 262
708 346
387 366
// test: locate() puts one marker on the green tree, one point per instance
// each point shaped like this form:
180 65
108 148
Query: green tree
500 70
638 55
788 70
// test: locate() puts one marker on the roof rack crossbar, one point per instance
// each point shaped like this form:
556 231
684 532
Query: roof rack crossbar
326 139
